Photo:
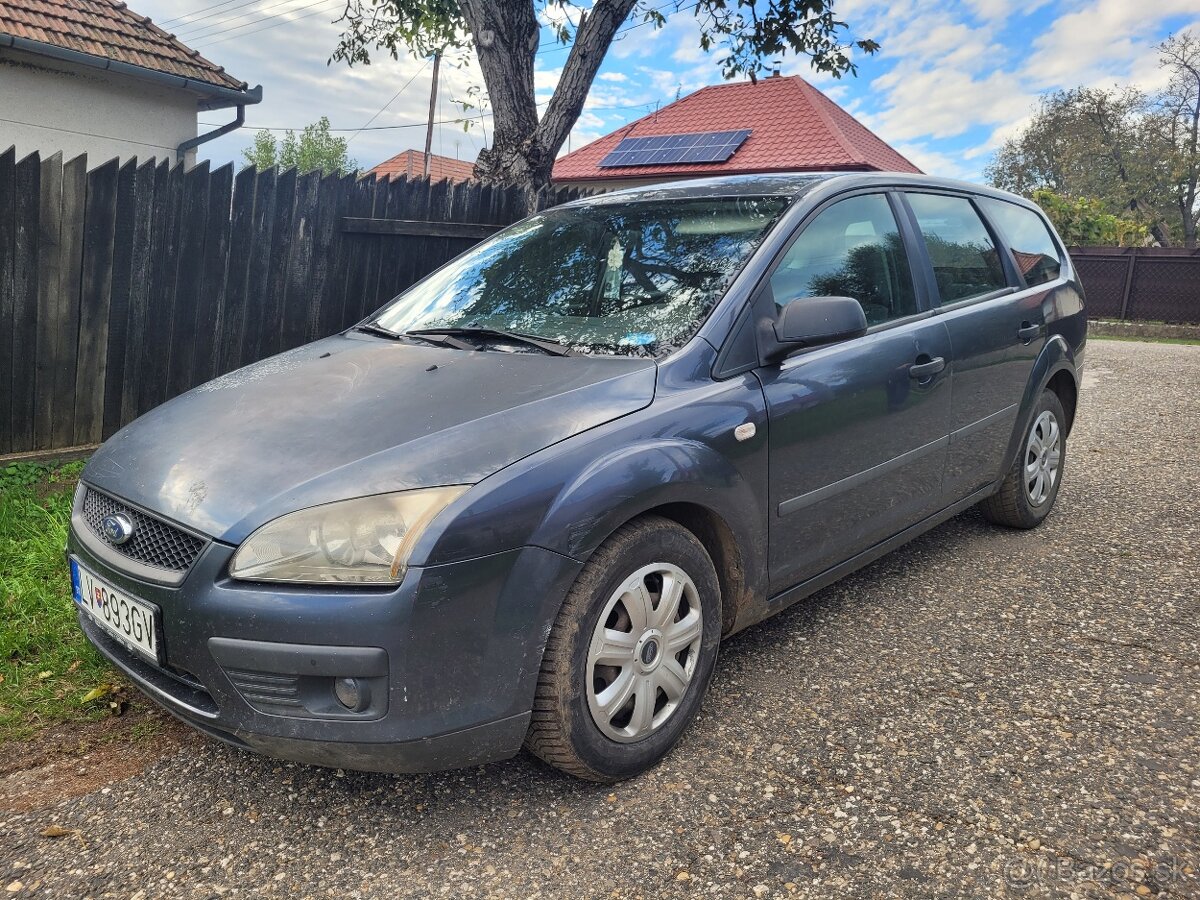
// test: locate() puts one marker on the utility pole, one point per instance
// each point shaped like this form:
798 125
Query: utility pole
437 64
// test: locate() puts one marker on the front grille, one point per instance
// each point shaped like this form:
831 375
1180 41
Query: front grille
154 542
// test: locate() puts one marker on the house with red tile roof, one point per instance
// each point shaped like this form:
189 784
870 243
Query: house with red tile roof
776 124
93 76
411 163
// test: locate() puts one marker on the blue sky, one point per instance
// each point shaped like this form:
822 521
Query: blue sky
952 80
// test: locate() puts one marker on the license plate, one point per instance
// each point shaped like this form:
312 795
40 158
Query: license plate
129 620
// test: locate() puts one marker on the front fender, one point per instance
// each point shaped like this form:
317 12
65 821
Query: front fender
639 477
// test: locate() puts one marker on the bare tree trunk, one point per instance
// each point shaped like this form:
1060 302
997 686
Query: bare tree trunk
506 39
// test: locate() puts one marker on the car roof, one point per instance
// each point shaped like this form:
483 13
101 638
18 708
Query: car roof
787 184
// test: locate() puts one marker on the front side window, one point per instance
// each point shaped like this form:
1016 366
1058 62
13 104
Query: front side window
1028 238
852 249
624 278
965 261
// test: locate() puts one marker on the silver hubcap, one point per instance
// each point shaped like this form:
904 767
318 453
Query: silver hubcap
1043 452
643 652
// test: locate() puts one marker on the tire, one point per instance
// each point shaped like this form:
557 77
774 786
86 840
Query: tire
572 729
1025 502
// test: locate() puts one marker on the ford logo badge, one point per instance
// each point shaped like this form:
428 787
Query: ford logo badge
117 528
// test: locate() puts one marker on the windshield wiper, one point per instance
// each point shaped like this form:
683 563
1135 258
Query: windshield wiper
377 329
546 345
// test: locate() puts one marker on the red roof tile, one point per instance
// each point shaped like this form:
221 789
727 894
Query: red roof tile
412 163
109 29
794 128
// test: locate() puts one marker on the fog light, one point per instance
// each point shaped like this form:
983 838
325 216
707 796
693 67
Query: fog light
353 694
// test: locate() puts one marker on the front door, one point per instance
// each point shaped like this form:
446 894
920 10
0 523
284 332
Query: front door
857 430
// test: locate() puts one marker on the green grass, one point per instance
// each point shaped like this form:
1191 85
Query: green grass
46 665
1189 342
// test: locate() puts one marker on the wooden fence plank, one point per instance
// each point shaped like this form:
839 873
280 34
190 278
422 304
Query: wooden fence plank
156 356
8 254
300 262
255 341
328 302
140 264
25 294
358 252
118 302
99 232
282 237
187 317
49 301
210 308
74 199
237 272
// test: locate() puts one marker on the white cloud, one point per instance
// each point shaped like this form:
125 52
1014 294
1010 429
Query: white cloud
1004 9
935 162
613 77
1100 41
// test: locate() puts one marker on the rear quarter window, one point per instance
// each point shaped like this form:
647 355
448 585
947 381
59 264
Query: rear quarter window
1035 251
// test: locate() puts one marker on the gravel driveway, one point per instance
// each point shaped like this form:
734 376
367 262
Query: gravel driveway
982 712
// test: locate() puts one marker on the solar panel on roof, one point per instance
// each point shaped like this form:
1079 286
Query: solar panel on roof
664 149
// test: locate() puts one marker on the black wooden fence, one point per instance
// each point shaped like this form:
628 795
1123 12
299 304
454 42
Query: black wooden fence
1149 284
126 285
123 286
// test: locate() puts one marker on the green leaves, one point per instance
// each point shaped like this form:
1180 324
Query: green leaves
21 474
316 149
1082 222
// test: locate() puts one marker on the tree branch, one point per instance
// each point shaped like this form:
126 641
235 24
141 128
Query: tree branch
592 40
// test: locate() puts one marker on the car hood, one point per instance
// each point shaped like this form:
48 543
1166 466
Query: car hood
354 415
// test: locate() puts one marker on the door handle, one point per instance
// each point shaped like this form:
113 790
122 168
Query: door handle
1028 331
921 371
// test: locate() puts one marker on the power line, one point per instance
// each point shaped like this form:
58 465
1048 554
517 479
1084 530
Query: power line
204 34
189 15
557 46
207 43
187 32
390 102
175 19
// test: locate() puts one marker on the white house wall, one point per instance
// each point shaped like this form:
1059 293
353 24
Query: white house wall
51 107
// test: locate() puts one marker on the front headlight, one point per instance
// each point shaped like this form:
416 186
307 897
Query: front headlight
362 541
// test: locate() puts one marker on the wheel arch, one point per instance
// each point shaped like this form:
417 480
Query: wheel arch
684 481
1055 370
722 547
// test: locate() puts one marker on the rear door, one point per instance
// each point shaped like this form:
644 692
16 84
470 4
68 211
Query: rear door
996 326
858 430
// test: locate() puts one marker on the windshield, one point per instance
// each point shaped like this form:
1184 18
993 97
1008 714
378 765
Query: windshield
616 278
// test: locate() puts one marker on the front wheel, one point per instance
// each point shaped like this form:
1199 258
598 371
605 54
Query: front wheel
1029 490
630 655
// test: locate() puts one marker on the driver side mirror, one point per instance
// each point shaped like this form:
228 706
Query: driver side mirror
815 321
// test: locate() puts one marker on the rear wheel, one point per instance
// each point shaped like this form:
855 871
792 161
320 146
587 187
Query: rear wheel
1031 486
630 654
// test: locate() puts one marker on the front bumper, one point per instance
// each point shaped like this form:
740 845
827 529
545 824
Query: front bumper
451 654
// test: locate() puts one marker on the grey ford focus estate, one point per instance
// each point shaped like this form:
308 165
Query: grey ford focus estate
524 502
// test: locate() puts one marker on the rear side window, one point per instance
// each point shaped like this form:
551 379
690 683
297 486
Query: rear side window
852 249
965 260
1028 238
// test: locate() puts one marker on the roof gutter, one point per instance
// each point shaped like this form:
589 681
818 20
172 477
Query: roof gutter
215 96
